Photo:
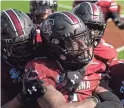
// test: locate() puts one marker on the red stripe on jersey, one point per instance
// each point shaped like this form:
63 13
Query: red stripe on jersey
16 22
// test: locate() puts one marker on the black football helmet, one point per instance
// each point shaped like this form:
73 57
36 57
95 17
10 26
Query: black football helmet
40 9
67 38
93 17
17 36
76 2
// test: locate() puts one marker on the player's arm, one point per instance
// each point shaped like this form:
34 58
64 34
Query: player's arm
32 88
107 98
115 15
14 103
54 99
117 20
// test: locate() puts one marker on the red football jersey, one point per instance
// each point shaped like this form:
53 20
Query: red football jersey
38 37
105 52
107 6
50 71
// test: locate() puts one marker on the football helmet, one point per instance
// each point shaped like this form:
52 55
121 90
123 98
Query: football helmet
76 2
41 9
17 35
93 17
67 38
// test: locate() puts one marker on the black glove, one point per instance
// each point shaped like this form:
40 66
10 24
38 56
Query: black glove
32 88
71 81
121 25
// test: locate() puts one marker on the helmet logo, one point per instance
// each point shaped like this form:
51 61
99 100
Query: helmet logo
47 27
14 73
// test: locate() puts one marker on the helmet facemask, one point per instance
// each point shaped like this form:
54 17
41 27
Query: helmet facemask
93 17
42 9
96 32
73 50
18 51
42 15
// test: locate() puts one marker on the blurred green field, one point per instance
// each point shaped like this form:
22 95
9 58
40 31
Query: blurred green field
21 5
24 5
62 5
121 55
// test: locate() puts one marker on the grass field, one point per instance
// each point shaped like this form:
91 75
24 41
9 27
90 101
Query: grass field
121 55
63 5
24 5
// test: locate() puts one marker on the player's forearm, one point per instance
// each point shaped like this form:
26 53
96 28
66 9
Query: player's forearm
14 103
51 98
87 103
107 98
54 99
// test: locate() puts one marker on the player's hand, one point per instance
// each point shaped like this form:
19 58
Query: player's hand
33 88
121 25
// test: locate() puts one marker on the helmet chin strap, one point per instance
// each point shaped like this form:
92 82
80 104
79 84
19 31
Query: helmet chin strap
73 76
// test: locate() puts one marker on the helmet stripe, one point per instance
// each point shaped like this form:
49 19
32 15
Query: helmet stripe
11 22
96 12
16 22
74 19
95 9
19 20
90 7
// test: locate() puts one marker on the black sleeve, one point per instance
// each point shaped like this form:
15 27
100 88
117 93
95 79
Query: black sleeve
108 100
105 83
117 20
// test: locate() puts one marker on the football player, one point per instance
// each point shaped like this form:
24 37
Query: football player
93 18
110 8
18 44
69 66
40 10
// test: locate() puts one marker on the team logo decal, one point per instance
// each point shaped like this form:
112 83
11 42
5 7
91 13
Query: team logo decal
14 73
47 27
